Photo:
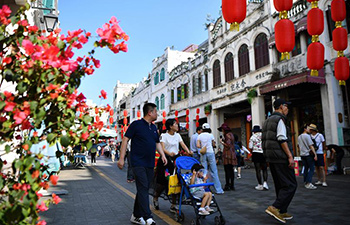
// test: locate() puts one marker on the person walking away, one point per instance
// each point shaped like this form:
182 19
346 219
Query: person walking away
238 147
199 177
319 145
228 156
129 174
93 152
258 158
277 148
170 141
193 143
113 152
206 139
144 143
339 153
308 157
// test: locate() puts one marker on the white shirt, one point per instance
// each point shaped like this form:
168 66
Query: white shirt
206 139
319 138
281 131
171 142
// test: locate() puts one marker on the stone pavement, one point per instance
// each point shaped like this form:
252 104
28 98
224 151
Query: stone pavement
100 195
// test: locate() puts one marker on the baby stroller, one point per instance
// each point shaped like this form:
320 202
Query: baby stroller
183 166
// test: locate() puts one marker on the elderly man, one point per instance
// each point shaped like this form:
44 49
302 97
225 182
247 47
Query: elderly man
277 148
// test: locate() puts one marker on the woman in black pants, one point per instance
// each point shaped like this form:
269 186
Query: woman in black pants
258 158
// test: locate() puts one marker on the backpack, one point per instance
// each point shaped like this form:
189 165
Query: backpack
237 150
314 142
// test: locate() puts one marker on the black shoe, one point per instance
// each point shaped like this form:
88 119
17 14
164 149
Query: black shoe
227 189
156 204
232 188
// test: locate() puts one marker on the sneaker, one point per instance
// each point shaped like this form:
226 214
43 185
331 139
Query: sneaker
150 221
318 183
173 209
310 186
156 204
208 209
272 211
324 184
259 187
203 212
239 176
265 186
235 170
287 216
137 220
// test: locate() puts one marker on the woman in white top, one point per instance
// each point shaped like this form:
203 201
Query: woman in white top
170 141
208 159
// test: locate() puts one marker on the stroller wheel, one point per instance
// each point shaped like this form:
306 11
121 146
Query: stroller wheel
178 217
219 220
196 222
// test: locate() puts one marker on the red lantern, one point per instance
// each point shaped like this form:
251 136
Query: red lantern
125 113
341 69
125 128
197 111
187 112
187 119
108 127
125 121
234 12
164 121
197 117
110 120
187 126
284 37
315 57
164 114
96 110
315 22
197 124
176 113
111 112
338 10
340 39
138 114
283 5
177 120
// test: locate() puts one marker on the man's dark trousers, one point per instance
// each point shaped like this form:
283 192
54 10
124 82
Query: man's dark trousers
285 185
143 178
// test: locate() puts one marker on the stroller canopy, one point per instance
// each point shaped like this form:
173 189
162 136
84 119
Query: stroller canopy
185 162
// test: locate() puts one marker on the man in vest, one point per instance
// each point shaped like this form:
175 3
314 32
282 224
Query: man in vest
277 147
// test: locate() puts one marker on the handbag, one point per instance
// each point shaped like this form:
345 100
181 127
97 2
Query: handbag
174 184
310 151
203 150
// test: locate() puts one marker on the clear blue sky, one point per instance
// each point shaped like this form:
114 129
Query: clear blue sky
152 26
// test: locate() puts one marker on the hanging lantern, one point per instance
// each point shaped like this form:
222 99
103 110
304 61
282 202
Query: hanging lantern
338 11
197 110
197 117
341 69
315 57
125 128
187 119
138 115
176 114
315 21
284 37
187 111
111 112
125 121
122 131
197 124
164 114
234 12
125 113
283 6
164 121
340 40
110 120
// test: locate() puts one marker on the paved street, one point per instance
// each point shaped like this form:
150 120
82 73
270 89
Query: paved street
100 195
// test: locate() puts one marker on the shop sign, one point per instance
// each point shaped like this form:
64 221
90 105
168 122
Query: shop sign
238 86
261 75
222 90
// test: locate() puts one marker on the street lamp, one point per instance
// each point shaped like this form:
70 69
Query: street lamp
50 21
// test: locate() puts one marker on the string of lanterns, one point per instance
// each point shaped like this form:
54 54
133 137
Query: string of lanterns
197 117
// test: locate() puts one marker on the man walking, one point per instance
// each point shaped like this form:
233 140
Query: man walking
277 147
144 142
193 144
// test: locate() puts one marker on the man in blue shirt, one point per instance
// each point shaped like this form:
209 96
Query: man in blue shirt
144 142
193 144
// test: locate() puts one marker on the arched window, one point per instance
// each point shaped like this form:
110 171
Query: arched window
162 101
261 51
162 74
229 75
157 102
194 85
199 83
216 73
243 60
205 81
156 79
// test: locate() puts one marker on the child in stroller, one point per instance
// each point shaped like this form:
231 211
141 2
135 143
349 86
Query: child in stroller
199 176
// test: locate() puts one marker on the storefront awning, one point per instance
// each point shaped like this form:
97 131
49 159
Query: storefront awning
293 80
302 25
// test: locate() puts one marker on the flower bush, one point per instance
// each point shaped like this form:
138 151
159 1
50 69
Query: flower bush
46 75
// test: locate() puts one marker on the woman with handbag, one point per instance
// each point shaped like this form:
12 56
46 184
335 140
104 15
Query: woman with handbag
229 157
170 141
205 142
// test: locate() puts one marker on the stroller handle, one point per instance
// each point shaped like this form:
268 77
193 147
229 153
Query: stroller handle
201 185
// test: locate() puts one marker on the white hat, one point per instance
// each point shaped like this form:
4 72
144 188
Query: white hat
206 126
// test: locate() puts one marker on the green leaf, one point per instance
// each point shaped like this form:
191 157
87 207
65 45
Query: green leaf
42 101
51 137
61 45
22 87
67 124
2 104
33 105
65 140
87 119
7 148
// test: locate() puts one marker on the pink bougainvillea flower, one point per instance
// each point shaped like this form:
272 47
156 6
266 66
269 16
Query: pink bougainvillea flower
35 174
82 39
41 222
39 195
80 97
28 46
17 186
123 47
33 28
54 179
9 106
96 63
7 60
104 94
25 147
54 95
56 199
42 207
19 116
